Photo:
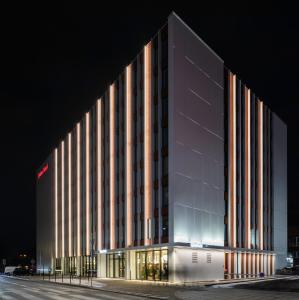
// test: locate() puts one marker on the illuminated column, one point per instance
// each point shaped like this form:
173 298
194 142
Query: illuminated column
70 192
247 170
112 166
62 201
87 178
239 262
248 264
269 265
229 266
258 269
252 263
147 145
260 176
56 201
129 144
232 162
78 192
99 174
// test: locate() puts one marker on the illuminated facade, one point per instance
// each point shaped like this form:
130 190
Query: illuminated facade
177 173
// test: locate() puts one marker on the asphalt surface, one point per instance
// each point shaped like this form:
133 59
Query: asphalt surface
12 288
21 289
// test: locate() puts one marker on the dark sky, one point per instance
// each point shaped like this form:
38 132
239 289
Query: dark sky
55 61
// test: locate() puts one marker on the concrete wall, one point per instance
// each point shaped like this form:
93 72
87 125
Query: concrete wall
196 139
279 190
196 264
45 235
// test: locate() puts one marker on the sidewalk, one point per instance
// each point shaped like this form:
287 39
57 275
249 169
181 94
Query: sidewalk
149 289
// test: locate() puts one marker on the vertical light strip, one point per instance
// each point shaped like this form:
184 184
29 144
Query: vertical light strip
260 168
112 166
232 164
78 192
70 191
129 144
248 169
99 174
62 201
147 145
56 202
87 177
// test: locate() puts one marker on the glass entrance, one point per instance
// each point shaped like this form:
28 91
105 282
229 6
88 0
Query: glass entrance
152 265
116 265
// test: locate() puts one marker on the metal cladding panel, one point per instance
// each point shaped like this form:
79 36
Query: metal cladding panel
45 235
196 139
279 190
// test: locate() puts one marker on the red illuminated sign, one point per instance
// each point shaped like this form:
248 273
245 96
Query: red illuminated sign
42 171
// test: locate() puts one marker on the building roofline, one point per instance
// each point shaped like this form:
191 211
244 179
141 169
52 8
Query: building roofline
195 34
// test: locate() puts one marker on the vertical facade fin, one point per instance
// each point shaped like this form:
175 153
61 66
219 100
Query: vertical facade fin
78 191
87 187
70 193
56 201
112 165
147 145
260 170
232 161
247 169
99 174
129 143
62 203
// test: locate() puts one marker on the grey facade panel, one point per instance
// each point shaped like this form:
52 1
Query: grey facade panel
196 138
279 190
45 235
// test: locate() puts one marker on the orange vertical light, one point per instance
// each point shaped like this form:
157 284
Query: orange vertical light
78 191
147 145
87 177
232 162
129 144
62 201
112 165
70 191
260 170
99 174
247 169
56 201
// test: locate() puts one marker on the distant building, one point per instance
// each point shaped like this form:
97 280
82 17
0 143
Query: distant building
177 173
293 245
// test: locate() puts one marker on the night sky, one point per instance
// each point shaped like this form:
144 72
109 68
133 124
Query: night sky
56 61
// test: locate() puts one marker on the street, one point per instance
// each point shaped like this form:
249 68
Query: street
20 289
13 288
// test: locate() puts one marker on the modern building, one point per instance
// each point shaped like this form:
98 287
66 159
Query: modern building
177 173
293 246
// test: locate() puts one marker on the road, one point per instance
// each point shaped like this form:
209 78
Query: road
20 289
12 288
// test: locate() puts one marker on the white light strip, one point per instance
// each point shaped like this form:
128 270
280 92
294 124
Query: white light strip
62 201
234 163
129 144
261 177
112 166
147 145
78 193
248 167
87 189
99 174
70 191
56 201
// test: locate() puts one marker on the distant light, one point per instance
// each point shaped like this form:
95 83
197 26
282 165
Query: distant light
42 171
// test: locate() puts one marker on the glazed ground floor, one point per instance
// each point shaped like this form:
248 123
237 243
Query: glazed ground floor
173 264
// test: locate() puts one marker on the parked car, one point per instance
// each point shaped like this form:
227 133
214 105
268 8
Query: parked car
9 270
